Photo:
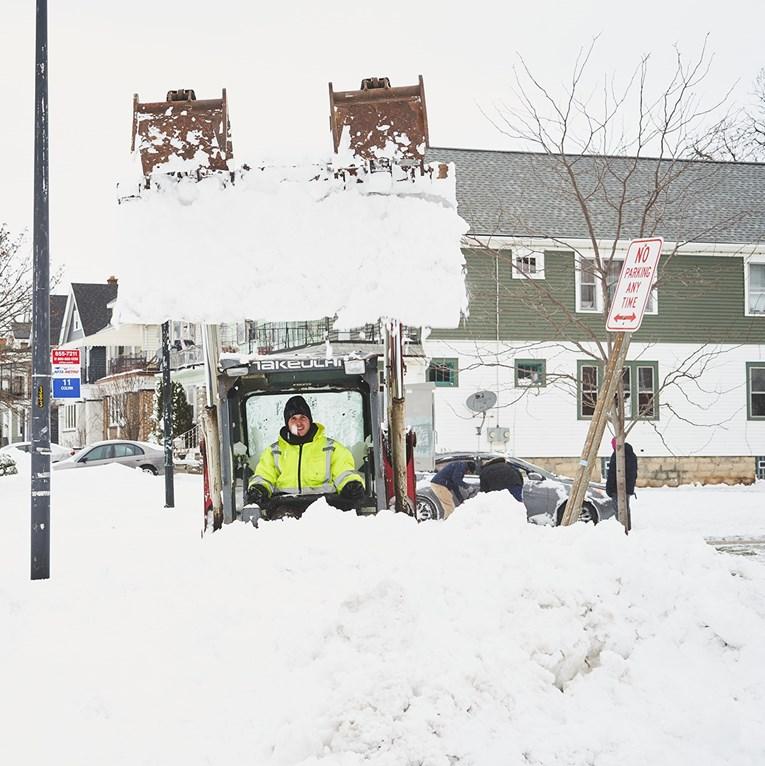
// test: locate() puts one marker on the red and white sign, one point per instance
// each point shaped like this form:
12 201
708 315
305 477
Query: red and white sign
65 356
634 287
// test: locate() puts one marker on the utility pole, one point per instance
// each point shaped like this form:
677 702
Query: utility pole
167 416
40 489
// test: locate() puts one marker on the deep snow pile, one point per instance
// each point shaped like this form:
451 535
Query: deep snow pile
281 244
342 640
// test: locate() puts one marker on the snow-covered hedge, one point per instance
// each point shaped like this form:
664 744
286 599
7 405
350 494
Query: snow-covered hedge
7 465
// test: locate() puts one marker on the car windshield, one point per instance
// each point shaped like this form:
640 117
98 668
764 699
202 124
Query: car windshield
531 468
340 412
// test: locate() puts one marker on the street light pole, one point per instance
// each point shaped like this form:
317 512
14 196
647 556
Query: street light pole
167 416
40 452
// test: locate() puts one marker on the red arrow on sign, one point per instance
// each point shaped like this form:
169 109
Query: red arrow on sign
625 317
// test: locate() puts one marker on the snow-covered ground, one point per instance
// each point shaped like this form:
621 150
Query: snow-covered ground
339 640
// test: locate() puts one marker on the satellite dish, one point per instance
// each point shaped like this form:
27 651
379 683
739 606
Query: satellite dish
481 401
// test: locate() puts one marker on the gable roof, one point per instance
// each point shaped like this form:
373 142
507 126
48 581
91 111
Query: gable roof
527 194
57 308
91 301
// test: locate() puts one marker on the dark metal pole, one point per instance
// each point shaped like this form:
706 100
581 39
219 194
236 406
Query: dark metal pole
167 416
40 564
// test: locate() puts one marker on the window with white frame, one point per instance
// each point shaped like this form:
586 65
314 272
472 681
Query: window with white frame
589 295
754 277
586 285
70 417
528 265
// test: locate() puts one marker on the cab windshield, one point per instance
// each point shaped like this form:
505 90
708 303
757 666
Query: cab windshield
340 412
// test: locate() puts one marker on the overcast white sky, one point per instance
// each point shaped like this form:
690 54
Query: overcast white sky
276 59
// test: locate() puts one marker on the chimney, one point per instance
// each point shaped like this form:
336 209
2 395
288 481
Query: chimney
112 280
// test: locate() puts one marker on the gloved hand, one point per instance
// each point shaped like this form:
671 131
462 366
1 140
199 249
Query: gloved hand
257 495
353 490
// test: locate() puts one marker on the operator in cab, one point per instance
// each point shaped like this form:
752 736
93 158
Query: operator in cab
304 461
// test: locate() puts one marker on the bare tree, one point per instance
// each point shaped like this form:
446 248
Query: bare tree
15 280
621 161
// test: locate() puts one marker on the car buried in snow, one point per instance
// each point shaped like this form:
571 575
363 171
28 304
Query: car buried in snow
134 454
544 493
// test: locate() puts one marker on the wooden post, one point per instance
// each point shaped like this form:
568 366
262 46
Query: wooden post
611 379
396 412
210 426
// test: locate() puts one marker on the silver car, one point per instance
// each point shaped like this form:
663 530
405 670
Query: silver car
544 493
147 457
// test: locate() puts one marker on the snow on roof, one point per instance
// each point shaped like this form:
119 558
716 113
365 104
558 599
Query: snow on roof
293 244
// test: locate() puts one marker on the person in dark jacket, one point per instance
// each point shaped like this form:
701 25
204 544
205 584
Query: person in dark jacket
630 470
498 474
448 484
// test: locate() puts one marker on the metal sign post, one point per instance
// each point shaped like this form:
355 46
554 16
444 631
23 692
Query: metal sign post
167 416
40 485
626 315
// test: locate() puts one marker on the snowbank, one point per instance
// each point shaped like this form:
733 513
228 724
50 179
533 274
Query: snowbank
344 641
293 244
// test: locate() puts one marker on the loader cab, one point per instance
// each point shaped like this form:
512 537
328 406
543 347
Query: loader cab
343 395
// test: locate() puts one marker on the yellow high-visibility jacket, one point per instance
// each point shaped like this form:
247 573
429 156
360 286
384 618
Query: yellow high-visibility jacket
318 466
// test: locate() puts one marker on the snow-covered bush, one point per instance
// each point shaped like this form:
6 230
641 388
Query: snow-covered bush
7 465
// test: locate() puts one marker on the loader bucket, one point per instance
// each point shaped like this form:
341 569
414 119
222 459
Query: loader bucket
385 123
181 133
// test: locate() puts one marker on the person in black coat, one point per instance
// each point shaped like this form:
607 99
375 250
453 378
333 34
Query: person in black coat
498 474
630 470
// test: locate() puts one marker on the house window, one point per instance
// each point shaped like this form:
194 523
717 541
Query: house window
755 390
76 321
443 372
587 294
70 417
640 390
116 409
754 274
588 379
530 372
528 265
640 380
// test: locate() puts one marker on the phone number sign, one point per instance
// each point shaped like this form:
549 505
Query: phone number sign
65 373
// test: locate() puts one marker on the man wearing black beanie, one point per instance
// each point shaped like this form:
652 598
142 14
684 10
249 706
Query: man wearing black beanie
304 461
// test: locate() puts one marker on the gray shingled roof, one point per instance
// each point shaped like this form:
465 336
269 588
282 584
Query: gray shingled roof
527 194
92 300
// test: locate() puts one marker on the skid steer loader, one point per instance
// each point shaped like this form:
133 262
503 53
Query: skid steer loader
344 395
385 130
